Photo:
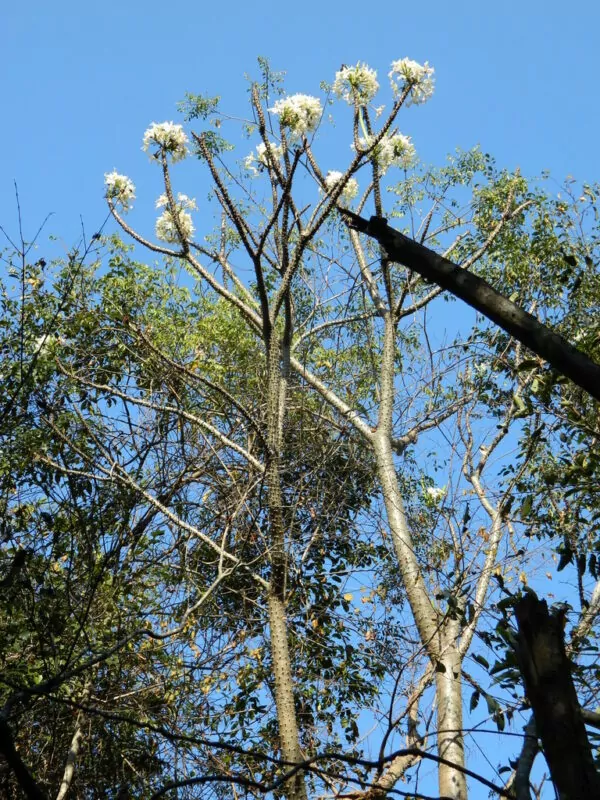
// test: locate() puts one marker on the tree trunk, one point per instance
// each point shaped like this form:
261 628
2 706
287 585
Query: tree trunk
26 781
448 684
295 788
438 634
284 697
546 672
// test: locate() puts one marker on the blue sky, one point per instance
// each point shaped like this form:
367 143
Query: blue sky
81 82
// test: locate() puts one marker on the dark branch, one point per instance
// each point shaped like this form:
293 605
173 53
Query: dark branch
546 672
475 291
24 777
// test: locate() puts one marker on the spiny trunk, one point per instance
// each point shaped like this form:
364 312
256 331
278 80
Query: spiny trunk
284 697
295 788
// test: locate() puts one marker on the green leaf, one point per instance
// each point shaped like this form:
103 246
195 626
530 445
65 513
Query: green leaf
566 557
197 106
527 364
492 704
526 505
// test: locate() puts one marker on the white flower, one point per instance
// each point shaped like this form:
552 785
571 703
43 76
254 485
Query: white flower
183 201
435 493
481 368
165 224
350 189
406 73
396 150
169 137
299 112
43 345
119 189
357 85
166 230
262 156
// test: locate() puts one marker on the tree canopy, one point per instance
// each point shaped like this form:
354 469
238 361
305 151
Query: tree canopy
269 497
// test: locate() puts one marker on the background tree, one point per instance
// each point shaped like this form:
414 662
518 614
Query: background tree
275 499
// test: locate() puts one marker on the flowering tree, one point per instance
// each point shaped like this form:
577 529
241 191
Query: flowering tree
308 483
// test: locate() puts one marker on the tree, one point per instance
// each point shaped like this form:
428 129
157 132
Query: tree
565 358
216 470
549 686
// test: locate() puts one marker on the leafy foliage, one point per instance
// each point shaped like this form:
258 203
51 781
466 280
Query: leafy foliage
184 451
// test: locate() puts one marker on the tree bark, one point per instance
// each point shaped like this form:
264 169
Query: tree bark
69 771
452 782
475 291
525 761
546 672
438 634
24 777
295 788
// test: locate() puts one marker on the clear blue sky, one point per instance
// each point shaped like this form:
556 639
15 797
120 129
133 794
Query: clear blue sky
81 82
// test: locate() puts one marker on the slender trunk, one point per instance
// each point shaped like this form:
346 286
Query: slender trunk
446 660
525 761
71 759
69 771
438 635
427 617
295 788
452 782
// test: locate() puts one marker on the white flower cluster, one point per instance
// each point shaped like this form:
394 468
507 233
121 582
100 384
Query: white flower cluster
171 138
435 493
165 224
410 73
357 85
119 189
396 150
481 368
44 345
350 189
262 156
300 113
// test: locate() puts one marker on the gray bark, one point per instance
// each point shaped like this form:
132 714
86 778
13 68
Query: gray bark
452 782
69 771
438 634
525 762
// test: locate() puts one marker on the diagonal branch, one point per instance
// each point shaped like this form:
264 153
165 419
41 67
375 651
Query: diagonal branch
475 291
26 781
